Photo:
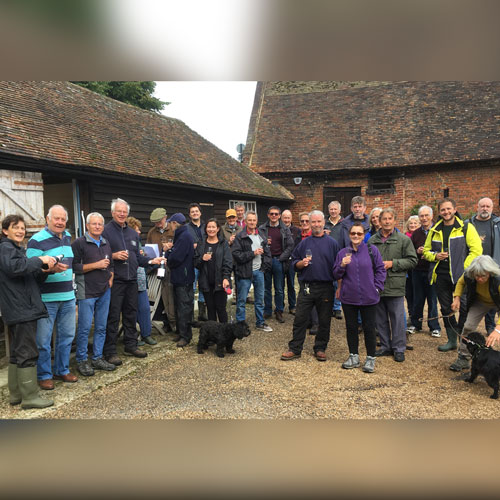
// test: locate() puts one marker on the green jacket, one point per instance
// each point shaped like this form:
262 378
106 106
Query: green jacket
461 250
398 248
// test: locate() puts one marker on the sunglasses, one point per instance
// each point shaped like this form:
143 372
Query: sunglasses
356 234
273 213
305 221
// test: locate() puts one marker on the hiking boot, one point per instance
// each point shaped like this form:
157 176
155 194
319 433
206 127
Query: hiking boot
114 360
279 316
461 363
137 353
102 364
352 362
287 355
182 343
85 369
369 366
148 340
399 357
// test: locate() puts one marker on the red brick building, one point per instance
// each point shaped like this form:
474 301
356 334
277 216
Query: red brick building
398 144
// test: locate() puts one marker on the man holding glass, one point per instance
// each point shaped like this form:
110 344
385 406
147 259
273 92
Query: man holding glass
58 296
93 268
313 258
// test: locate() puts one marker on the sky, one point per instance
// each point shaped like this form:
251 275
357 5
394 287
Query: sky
218 111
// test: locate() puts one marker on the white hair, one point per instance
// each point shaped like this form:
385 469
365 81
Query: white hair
49 214
481 265
94 214
316 212
425 207
119 200
334 202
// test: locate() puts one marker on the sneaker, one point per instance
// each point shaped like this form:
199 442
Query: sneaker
352 362
140 342
264 327
102 364
436 333
369 366
85 369
148 340
411 329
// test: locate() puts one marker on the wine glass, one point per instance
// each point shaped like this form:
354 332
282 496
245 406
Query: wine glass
209 251
106 257
348 252
309 255
64 260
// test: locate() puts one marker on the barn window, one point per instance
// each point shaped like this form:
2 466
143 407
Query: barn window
249 205
378 184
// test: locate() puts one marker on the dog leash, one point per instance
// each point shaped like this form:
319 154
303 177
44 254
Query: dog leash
438 317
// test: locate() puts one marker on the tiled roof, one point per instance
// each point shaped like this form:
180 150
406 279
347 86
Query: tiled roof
389 125
65 123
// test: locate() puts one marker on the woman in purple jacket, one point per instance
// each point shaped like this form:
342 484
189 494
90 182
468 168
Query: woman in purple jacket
362 272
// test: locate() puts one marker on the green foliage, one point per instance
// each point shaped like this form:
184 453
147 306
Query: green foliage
136 93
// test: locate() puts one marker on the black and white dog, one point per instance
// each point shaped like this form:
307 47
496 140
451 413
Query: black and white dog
485 361
222 334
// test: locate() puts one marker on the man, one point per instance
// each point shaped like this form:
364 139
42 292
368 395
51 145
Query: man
124 243
313 258
93 269
358 209
180 262
286 217
422 289
230 229
197 230
59 299
333 227
488 228
240 214
252 259
162 235
280 242
450 247
399 257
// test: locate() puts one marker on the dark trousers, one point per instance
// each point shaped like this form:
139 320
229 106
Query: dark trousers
216 305
391 326
23 349
124 302
422 291
368 314
444 291
410 299
321 296
184 309
290 286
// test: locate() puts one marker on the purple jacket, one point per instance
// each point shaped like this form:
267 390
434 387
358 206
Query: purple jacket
360 285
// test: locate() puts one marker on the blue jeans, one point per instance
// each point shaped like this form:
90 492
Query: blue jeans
258 290
278 274
144 314
96 308
201 298
290 285
62 313
337 305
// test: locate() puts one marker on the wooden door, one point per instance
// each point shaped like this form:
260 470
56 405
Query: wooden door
22 193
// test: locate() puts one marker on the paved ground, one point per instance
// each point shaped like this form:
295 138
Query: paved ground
254 383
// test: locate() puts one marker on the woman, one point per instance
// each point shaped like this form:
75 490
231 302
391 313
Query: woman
374 223
411 225
21 307
362 272
213 259
143 307
481 282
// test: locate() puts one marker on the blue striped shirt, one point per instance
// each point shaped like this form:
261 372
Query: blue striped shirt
57 286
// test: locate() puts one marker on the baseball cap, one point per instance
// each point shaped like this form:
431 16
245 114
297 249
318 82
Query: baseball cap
231 213
178 217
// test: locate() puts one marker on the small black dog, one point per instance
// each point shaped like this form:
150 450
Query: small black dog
485 361
222 334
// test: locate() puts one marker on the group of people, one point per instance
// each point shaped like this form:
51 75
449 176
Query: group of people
361 265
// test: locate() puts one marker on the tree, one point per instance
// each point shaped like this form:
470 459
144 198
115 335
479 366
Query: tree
136 93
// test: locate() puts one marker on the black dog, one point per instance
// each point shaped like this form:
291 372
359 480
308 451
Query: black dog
222 334
485 361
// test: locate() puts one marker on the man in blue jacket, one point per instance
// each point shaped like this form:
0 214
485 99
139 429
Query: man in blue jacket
180 263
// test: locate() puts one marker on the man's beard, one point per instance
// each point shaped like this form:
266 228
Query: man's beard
484 215
317 231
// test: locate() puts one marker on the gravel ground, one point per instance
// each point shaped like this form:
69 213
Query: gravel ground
253 383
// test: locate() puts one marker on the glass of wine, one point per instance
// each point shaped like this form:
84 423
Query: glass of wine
309 255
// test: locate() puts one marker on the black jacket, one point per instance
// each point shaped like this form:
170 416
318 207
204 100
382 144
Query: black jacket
243 255
20 299
286 239
223 264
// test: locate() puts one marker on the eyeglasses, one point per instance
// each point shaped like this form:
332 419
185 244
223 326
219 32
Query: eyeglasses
356 234
274 213
305 221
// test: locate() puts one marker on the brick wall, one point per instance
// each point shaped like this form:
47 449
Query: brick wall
415 186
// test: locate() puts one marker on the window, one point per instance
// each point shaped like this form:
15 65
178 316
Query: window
249 205
378 184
